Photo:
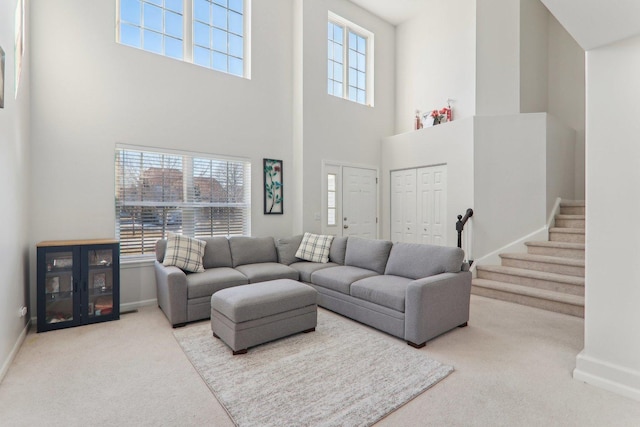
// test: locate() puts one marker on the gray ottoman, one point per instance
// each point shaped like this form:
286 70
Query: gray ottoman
248 315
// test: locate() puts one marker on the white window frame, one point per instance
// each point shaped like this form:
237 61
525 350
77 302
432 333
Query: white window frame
187 36
189 203
347 27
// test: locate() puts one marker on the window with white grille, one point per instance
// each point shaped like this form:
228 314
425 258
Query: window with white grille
349 61
210 33
197 195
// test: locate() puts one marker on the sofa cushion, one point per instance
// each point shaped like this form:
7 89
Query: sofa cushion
265 271
287 249
387 291
246 303
339 278
212 280
367 253
217 252
306 268
338 250
315 247
252 250
416 261
184 252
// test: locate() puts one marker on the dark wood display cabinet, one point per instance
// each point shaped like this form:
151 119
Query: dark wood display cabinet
78 283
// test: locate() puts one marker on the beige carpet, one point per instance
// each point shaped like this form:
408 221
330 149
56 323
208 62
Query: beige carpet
513 368
339 375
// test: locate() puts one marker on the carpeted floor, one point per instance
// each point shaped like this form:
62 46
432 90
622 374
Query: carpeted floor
339 375
513 368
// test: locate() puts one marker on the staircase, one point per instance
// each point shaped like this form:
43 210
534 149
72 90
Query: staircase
550 275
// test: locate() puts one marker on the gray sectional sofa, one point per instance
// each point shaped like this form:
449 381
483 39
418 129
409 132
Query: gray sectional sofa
412 291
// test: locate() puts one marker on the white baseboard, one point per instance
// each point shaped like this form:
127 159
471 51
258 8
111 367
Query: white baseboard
608 376
542 234
493 258
14 351
551 221
132 306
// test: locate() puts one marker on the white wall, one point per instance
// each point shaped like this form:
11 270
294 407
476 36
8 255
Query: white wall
497 57
335 129
14 185
566 91
611 356
90 93
560 149
435 60
509 179
534 71
448 143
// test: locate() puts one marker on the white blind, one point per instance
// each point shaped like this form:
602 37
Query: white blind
192 194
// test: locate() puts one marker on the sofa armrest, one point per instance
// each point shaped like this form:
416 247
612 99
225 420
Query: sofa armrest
171 288
436 304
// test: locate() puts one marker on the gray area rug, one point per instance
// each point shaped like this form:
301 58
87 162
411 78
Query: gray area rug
339 375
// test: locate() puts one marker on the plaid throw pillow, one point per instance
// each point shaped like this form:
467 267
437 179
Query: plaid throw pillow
184 252
315 247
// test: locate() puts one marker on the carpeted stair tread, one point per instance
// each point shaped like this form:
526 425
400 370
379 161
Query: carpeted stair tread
530 292
566 230
533 274
545 259
572 203
560 245
569 216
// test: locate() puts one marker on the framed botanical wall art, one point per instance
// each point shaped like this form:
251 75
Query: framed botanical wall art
273 203
1 77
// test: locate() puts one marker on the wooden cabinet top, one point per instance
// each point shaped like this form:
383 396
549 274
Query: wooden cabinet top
76 242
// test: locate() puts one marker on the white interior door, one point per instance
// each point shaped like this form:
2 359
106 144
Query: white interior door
403 206
359 202
432 205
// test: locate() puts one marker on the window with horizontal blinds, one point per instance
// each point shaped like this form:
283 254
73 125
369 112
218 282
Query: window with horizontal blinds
196 195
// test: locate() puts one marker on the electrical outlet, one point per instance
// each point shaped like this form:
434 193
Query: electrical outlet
22 311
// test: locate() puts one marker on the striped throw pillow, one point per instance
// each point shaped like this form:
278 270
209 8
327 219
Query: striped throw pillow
184 252
314 247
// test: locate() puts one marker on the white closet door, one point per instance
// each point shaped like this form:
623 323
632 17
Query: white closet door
432 205
403 206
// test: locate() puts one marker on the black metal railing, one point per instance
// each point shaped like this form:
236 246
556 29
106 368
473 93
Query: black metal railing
460 224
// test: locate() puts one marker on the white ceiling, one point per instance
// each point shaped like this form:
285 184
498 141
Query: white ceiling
393 11
592 23
596 23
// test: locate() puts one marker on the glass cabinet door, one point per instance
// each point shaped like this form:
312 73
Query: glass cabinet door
100 283
59 287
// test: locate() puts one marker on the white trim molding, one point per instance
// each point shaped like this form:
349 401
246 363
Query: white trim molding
133 306
606 375
493 258
14 350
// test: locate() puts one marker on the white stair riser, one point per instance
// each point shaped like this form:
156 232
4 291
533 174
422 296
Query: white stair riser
544 304
566 237
532 282
568 270
570 223
572 210
559 252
